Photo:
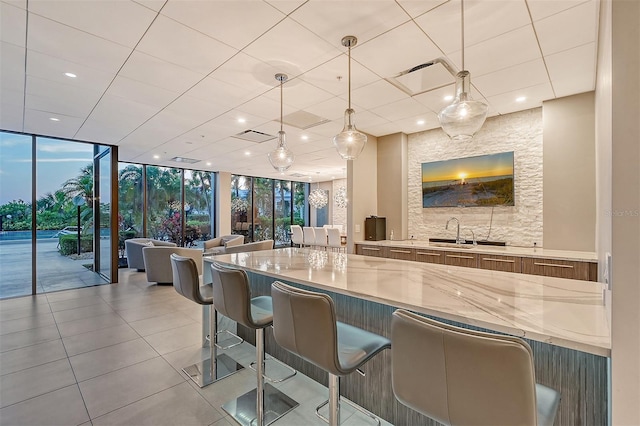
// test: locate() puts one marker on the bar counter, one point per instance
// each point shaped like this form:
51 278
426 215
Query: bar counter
564 321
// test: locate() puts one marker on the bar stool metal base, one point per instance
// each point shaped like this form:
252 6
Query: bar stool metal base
276 405
201 372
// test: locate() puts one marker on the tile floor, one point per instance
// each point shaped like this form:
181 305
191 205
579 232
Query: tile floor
112 355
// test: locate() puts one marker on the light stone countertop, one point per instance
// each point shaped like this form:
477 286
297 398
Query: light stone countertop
562 312
583 256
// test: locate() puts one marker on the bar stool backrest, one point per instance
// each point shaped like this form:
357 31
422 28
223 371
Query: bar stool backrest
309 236
461 377
304 323
296 234
320 236
231 294
185 279
334 237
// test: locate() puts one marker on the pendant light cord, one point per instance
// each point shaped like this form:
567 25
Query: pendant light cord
281 82
462 20
349 77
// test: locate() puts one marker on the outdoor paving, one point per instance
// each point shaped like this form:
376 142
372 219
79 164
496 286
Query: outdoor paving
54 271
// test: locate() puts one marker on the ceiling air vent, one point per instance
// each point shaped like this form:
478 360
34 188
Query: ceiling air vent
303 120
184 160
297 175
424 77
254 136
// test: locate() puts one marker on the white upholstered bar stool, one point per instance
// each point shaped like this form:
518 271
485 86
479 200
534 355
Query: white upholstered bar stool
309 236
320 238
297 237
187 284
232 297
304 323
458 376
334 239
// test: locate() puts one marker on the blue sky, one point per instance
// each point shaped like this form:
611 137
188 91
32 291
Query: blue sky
57 161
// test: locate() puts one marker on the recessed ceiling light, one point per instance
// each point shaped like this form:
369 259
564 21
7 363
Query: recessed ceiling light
448 98
521 99
242 120
54 119
304 137
333 177
247 153
420 122
208 163
156 156
70 74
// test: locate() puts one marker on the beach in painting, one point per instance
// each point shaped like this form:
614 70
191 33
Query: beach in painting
485 180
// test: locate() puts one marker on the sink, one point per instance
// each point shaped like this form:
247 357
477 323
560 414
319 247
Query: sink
452 245
449 242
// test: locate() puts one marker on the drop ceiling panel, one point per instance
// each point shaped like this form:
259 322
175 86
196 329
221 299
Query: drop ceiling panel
248 74
377 94
509 79
210 89
289 42
332 76
483 20
140 92
388 128
506 102
569 70
578 25
364 19
286 6
265 108
54 39
410 125
155 5
331 109
400 110
156 72
300 96
13 24
404 47
194 110
54 69
11 67
416 8
178 44
236 23
506 50
122 22
541 9
38 122
47 95
11 107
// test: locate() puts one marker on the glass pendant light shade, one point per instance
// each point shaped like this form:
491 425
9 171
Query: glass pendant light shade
281 158
464 117
349 142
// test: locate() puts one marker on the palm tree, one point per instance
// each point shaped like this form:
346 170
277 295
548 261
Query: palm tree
81 185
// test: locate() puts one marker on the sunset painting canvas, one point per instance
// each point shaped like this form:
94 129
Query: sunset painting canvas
485 180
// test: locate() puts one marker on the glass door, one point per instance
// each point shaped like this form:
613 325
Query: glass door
102 211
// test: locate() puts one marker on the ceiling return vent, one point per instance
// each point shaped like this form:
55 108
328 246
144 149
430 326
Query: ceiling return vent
184 160
424 77
254 136
303 120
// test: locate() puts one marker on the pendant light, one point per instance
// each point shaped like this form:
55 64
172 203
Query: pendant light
318 198
464 117
281 158
349 142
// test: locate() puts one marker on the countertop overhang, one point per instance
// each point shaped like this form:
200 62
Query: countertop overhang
562 312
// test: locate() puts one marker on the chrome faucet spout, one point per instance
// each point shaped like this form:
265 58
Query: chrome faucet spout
458 239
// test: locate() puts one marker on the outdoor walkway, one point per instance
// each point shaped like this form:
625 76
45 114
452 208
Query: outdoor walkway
54 272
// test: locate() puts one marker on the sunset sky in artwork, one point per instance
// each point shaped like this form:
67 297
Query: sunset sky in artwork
468 168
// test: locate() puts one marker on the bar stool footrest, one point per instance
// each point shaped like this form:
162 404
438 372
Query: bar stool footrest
201 372
274 380
276 405
240 340
357 407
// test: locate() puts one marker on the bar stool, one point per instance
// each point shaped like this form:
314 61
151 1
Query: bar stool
309 236
232 297
304 323
320 238
187 284
297 237
464 377
334 239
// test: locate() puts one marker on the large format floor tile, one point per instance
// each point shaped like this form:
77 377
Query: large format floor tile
101 338
162 323
176 338
61 407
26 323
31 356
21 339
93 323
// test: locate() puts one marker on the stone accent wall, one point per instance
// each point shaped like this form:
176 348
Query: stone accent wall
339 214
520 225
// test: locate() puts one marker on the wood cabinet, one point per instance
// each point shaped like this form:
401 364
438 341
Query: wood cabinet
500 263
430 256
375 251
557 268
400 253
460 258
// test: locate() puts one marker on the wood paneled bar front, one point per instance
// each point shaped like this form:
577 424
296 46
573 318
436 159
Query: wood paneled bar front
565 321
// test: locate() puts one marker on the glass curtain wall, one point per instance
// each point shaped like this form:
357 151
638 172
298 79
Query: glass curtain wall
198 207
263 209
103 210
15 214
164 204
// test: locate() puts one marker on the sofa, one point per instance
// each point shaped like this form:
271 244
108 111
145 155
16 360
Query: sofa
133 247
219 245
255 246
158 264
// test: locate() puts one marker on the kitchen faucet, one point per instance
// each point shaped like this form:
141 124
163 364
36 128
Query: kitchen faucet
458 239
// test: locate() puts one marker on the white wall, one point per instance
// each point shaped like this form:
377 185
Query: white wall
339 214
362 190
521 224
